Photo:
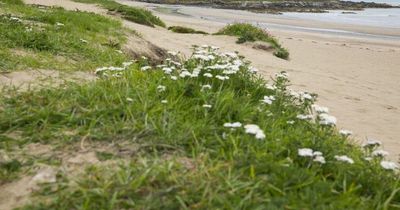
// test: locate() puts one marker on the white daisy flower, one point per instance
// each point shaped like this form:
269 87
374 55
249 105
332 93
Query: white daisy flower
220 77
184 74
207 106
319 159
317 153
233 125
388 165
253 70
145 68
345 132
326 119
320 109
126 64
254 129
161 88
305 152
270 87
209 75
83 41
344 158
380 153
304 117
268 99
164 101
167 70
174 77
371 143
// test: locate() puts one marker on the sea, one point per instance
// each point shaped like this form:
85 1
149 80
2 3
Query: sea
388 18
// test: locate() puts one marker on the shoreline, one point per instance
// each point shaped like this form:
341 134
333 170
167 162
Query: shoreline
277 7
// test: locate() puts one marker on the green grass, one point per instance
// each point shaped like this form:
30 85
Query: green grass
134 14
187 159
249 33
185 30
53 38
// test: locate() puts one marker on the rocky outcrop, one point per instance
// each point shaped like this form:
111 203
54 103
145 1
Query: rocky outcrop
278 6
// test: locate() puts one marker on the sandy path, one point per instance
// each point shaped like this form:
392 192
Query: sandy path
358 79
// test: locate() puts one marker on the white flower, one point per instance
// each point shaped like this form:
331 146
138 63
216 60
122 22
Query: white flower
368 158
15 19
304 117
129 99
317 153
306 96
253 70
145 68
344 158
205 87
268 99
59 24
305 152
233 125
83 41
174 77
320 109
326 119
254 129
126 64
345 132
222 77
167 70
161 88
282 75
207 106
172 53
389 165
164 101
290 122
380 153
184 74
270 87
319 159
372 143
209 75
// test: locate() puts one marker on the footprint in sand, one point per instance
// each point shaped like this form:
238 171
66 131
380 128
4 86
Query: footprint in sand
352 98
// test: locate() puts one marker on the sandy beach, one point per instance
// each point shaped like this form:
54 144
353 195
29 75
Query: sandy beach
356 76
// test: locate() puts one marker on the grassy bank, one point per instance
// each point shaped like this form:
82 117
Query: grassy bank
210 134
134 14
249 33
185 30
53 38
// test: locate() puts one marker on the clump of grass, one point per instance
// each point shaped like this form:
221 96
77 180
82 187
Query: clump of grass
54 38
185 30
134 14
249 33
190 155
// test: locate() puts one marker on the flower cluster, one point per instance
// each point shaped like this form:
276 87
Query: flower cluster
215 69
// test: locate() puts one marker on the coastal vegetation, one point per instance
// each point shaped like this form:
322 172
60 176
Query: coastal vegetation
134 14
209 133
203 132
185 30
53 38
248 33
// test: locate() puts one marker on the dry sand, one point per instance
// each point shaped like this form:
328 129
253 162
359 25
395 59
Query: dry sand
358 78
